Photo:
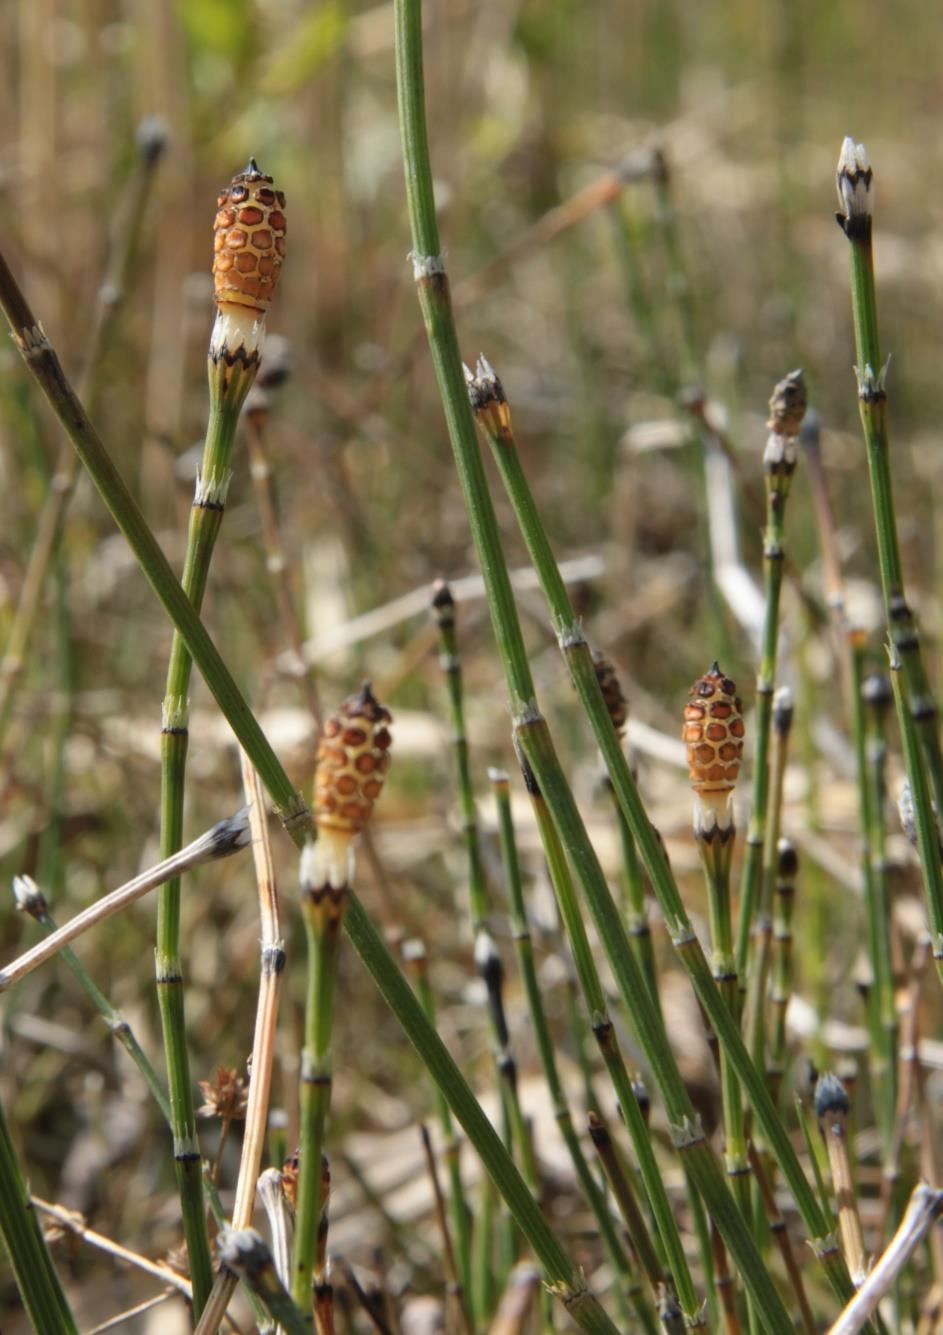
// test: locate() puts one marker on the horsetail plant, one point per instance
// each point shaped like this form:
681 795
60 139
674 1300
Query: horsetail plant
44 365
249 242
353 758
629 1290
874 696
490 407
787 409
713 734
855 181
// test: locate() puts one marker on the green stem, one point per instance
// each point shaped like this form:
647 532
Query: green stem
323 910
872 404
35 1275
875 695
716 849
785 895
765 682
229 381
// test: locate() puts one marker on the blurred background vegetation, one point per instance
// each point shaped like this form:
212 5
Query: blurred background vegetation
529 103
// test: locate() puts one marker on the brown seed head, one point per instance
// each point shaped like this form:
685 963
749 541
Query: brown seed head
611 691
787 404
248 240
713 733
353 758
226 1095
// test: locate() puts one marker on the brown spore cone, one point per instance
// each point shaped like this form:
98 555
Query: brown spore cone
248 240
713 734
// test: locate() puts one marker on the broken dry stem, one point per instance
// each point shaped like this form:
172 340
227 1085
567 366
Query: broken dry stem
226 837
271 966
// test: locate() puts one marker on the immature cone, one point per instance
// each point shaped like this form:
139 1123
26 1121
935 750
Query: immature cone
713 733
353 758
787 408
248 248
249 240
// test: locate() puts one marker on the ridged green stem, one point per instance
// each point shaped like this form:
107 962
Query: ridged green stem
716 849
784 902
760 961
878 1056
628 1284
33 1270
752 875
872 404
876 761
47 371
322 910
229 384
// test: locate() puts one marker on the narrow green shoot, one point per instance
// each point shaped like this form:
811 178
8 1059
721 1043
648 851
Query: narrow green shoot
787 408
854 181
35 1275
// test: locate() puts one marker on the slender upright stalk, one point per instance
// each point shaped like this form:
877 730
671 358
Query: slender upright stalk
787 407
533 737
35 1275
854 180
787 870
40 357
713 731
877 1055
151 141
876 695
243 292
353 757
760 964
523 946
